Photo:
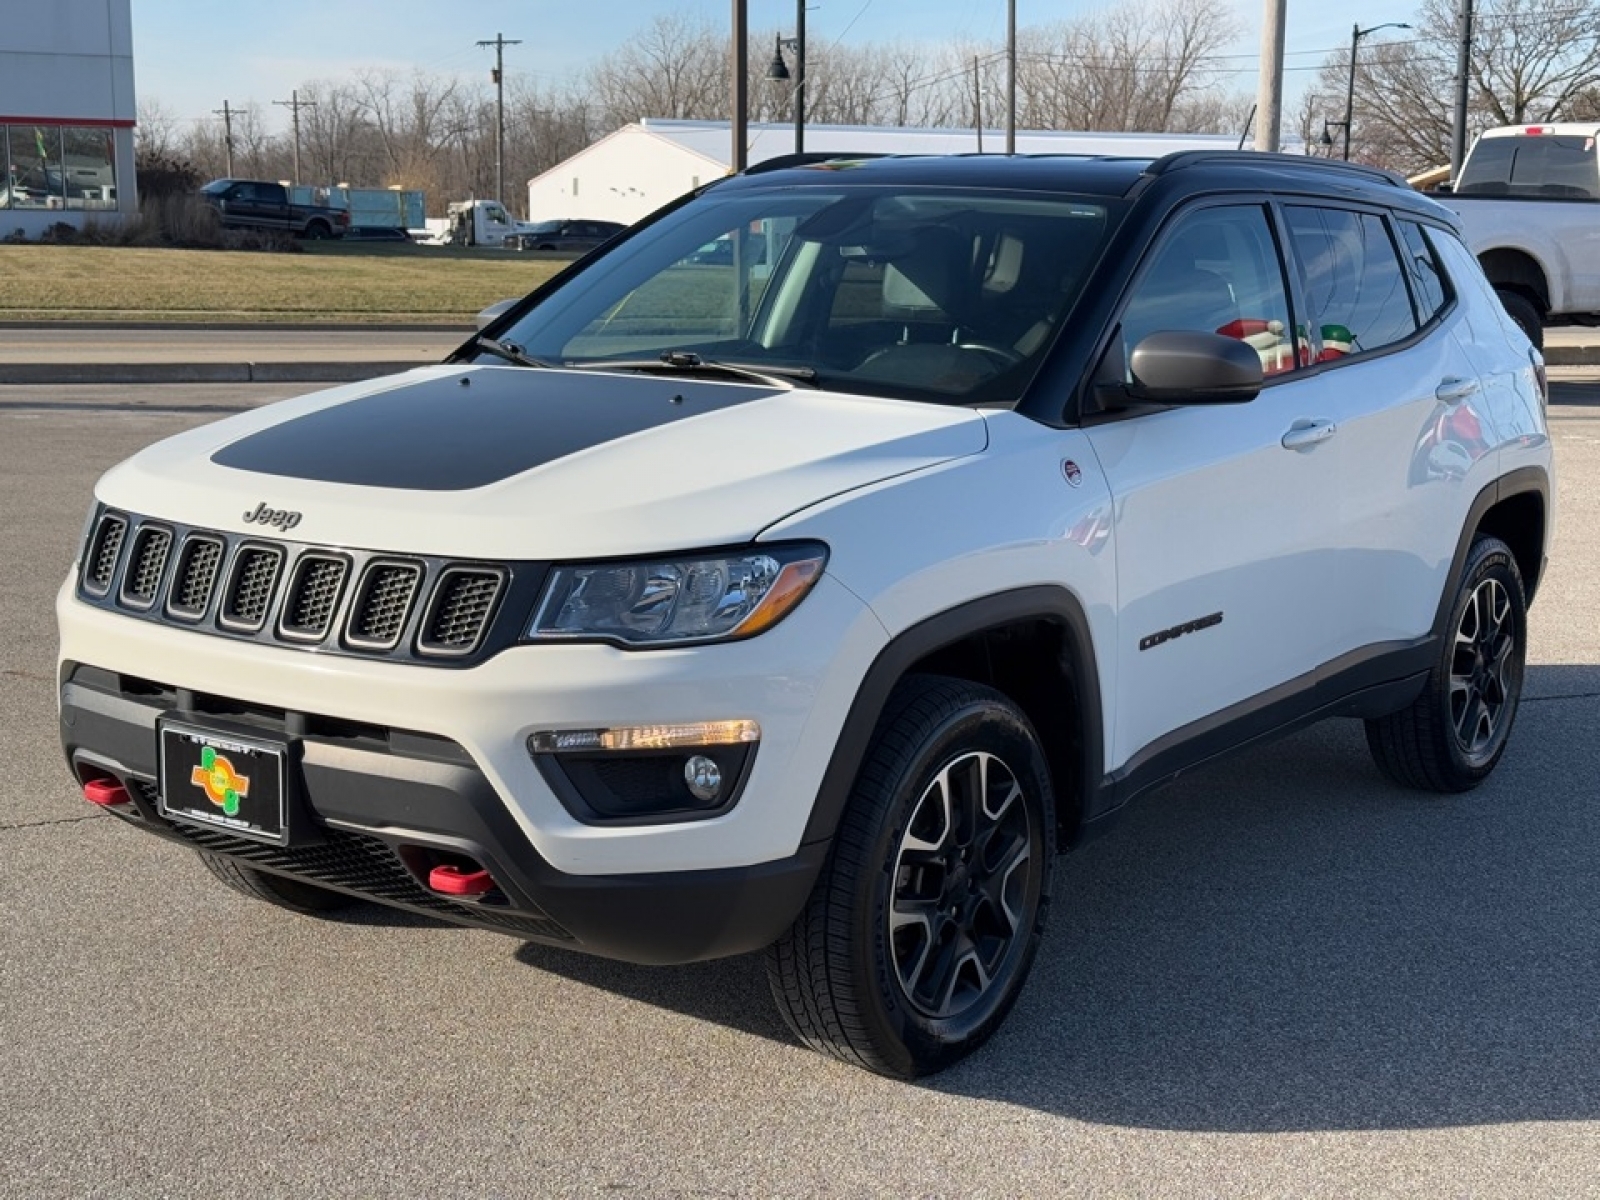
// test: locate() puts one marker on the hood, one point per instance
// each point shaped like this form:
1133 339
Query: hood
517 463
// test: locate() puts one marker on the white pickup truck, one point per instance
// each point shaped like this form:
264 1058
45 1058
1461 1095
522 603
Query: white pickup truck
1529 202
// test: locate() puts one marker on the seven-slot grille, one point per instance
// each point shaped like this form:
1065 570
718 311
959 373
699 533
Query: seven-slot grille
341 601
250 586
100 563
313 595
382 602
195 577
147 562
459 610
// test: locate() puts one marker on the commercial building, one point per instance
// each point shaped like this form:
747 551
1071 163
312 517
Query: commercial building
66 113
640 167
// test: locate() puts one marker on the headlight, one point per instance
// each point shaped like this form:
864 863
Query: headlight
672 601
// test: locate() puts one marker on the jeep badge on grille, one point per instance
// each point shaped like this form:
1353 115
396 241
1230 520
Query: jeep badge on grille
280 518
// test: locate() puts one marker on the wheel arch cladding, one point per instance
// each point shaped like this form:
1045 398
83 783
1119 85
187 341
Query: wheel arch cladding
1034 646
1515 509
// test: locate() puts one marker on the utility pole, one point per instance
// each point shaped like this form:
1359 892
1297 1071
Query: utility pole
739 88
499 76
977 101
1269 87
294 104
1011 76
1458 134
226 114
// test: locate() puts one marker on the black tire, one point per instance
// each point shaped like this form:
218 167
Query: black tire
318 231
280 890
1525 313
860 975
1454 733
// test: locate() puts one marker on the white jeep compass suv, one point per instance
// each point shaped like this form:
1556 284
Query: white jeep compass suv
812 596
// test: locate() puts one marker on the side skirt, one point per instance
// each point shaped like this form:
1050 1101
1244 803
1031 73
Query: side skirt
1370 682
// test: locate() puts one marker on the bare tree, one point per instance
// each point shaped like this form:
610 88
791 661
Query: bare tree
677 67
412 122
156 134
1531 61
1148 67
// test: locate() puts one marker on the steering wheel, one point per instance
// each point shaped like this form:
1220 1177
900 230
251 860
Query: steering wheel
1006 355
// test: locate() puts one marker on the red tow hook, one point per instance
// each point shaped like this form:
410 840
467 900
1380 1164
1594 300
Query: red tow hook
451 880
105 792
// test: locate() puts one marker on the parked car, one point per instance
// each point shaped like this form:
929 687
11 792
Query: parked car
260 204
1529 203
814 606
566 235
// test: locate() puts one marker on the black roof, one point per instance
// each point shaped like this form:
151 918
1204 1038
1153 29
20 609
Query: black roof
1188 172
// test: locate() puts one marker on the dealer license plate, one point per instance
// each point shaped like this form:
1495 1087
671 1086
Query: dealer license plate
224 780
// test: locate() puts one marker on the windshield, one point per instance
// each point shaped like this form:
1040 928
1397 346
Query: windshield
931 294
545 227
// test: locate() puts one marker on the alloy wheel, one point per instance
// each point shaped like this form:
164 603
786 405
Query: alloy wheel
961 878
1482 667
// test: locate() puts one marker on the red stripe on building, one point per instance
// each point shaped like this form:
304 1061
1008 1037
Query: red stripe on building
93 122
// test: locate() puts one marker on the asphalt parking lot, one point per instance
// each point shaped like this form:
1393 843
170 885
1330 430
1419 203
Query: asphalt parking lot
1281 976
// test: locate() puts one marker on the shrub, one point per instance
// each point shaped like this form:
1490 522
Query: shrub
161 175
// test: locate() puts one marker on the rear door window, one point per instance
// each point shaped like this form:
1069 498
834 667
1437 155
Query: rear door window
1355 285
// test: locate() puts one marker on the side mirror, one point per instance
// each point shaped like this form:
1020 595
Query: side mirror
1181 367
494 312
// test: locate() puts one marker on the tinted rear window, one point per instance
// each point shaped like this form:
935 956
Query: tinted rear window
1537 165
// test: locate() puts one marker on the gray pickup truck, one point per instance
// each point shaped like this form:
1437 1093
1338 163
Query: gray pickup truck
257 204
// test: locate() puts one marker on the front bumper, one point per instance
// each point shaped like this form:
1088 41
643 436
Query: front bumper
796 681
386 805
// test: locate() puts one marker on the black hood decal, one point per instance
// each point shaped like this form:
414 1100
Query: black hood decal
467 431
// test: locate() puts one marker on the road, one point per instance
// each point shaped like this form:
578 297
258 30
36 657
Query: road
1280 976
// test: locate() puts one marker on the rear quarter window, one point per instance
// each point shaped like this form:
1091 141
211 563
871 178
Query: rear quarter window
1429 287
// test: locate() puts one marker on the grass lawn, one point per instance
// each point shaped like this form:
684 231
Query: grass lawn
336 284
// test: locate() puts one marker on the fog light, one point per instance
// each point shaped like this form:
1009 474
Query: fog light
703 777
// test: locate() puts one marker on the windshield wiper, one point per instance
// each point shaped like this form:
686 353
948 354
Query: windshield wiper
510 352
687 362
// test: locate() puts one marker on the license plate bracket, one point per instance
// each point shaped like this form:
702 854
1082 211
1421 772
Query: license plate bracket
225 780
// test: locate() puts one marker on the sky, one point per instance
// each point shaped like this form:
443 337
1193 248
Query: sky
191 55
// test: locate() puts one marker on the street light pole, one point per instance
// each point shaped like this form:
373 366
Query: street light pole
1356 34
739 89
799 76
1011 76
779 71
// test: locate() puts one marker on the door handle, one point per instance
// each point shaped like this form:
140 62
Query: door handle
1452 390
1303 435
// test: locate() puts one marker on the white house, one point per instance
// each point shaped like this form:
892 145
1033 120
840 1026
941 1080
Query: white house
637 169
66 113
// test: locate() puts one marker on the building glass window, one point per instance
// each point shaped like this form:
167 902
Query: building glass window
88 161
57 167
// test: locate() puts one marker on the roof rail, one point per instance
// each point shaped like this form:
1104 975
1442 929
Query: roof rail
806 159
1180 159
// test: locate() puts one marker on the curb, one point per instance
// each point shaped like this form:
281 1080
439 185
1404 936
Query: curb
1571 356
42 374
